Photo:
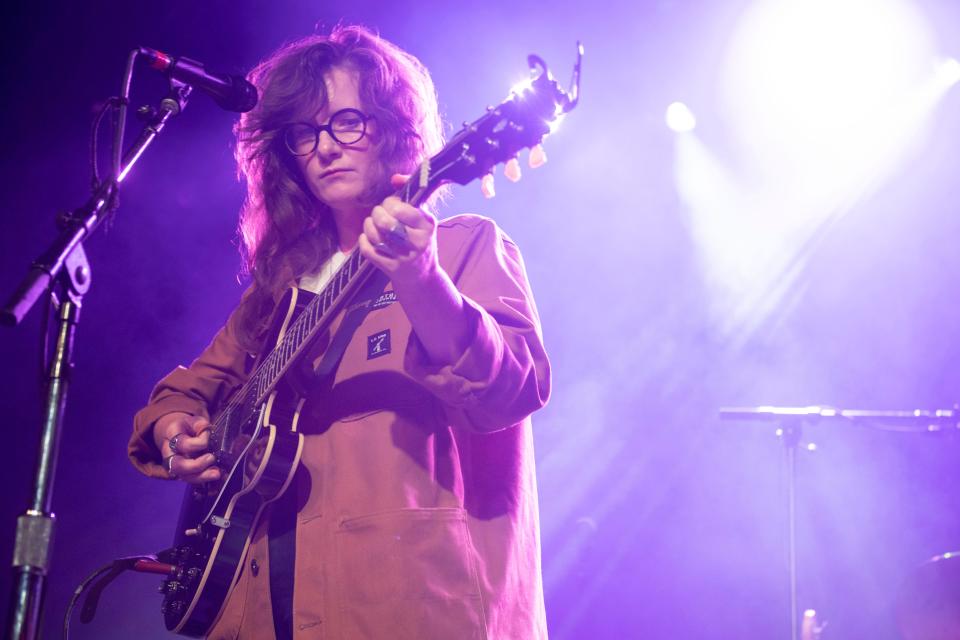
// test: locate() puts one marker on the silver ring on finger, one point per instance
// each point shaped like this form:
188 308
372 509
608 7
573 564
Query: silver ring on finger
174 442
385 249
397 237
398 232
168 465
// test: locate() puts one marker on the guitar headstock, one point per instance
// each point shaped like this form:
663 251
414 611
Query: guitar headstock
529 114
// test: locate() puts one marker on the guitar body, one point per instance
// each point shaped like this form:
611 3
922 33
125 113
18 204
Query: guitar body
217 522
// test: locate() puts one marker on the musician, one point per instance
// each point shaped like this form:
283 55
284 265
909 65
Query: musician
413 511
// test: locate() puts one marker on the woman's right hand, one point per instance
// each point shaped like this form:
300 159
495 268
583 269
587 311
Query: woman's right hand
192 461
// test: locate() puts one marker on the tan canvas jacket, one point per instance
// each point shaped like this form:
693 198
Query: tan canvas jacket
417 498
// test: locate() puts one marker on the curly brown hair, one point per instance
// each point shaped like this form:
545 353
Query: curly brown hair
285 231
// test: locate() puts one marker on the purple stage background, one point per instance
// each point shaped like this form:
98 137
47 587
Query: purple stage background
658 520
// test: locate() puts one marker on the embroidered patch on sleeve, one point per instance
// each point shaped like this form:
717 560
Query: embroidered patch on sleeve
378 344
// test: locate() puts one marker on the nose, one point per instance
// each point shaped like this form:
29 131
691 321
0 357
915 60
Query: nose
327 147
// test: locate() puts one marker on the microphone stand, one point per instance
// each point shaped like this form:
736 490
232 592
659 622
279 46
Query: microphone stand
791 421
64 272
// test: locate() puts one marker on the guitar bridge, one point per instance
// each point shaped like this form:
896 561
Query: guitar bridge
220 523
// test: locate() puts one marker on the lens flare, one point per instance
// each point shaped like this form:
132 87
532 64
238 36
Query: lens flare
680 118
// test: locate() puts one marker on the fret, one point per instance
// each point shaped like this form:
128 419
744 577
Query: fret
342 287
271 372
300 332
327 299
405 191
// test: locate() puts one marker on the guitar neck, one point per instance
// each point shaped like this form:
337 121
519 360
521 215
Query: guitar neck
316 316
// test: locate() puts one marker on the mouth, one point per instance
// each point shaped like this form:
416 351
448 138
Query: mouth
332 172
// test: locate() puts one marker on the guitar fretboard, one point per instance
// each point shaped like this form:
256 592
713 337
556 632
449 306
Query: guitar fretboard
351 275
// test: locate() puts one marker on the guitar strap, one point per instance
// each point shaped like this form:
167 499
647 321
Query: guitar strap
338 344
281 539
283 511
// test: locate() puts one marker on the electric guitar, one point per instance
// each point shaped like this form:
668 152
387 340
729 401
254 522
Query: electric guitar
255 435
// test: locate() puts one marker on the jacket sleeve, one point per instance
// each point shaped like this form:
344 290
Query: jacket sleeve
198 390
503 375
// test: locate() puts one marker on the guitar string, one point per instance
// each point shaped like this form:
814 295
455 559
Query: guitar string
303 332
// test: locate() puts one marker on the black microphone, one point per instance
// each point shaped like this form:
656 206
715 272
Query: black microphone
232 93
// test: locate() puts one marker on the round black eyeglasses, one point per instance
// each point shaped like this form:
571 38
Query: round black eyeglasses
347 126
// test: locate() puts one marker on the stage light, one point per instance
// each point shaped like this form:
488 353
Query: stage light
521 87
812 85
948 72
821 101
679 118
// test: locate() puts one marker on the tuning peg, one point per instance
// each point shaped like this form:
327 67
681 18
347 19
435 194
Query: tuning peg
511 170
486 186
538 157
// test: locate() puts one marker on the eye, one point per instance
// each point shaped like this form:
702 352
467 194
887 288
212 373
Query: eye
301 133
347 121
300 138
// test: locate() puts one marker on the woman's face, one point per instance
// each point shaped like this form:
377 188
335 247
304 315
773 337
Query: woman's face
342 176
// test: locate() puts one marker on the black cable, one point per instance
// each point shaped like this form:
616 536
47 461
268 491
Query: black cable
79 592
98 582
114 103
